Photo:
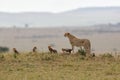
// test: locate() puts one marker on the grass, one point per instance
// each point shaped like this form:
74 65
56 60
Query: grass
46 66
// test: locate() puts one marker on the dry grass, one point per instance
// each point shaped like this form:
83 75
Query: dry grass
46 66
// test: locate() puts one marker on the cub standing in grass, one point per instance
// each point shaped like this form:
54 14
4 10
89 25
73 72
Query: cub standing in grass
52 50
15 51
66 50
34 49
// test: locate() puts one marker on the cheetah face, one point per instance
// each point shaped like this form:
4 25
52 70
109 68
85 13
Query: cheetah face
66 34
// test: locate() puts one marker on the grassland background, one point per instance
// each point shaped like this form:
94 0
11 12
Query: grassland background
46 66
24 39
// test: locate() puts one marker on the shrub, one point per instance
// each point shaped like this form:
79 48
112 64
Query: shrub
15 55
108 55
4 49
82 52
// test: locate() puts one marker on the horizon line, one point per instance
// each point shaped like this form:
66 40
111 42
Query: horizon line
55 12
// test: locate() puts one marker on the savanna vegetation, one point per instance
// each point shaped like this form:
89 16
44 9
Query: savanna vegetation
4 49
47 66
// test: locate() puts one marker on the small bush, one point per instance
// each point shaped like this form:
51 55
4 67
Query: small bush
4 49
82 52
15 55
108 55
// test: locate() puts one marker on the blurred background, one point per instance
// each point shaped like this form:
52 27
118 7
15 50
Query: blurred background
28 23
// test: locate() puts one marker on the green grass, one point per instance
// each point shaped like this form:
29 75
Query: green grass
46 66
